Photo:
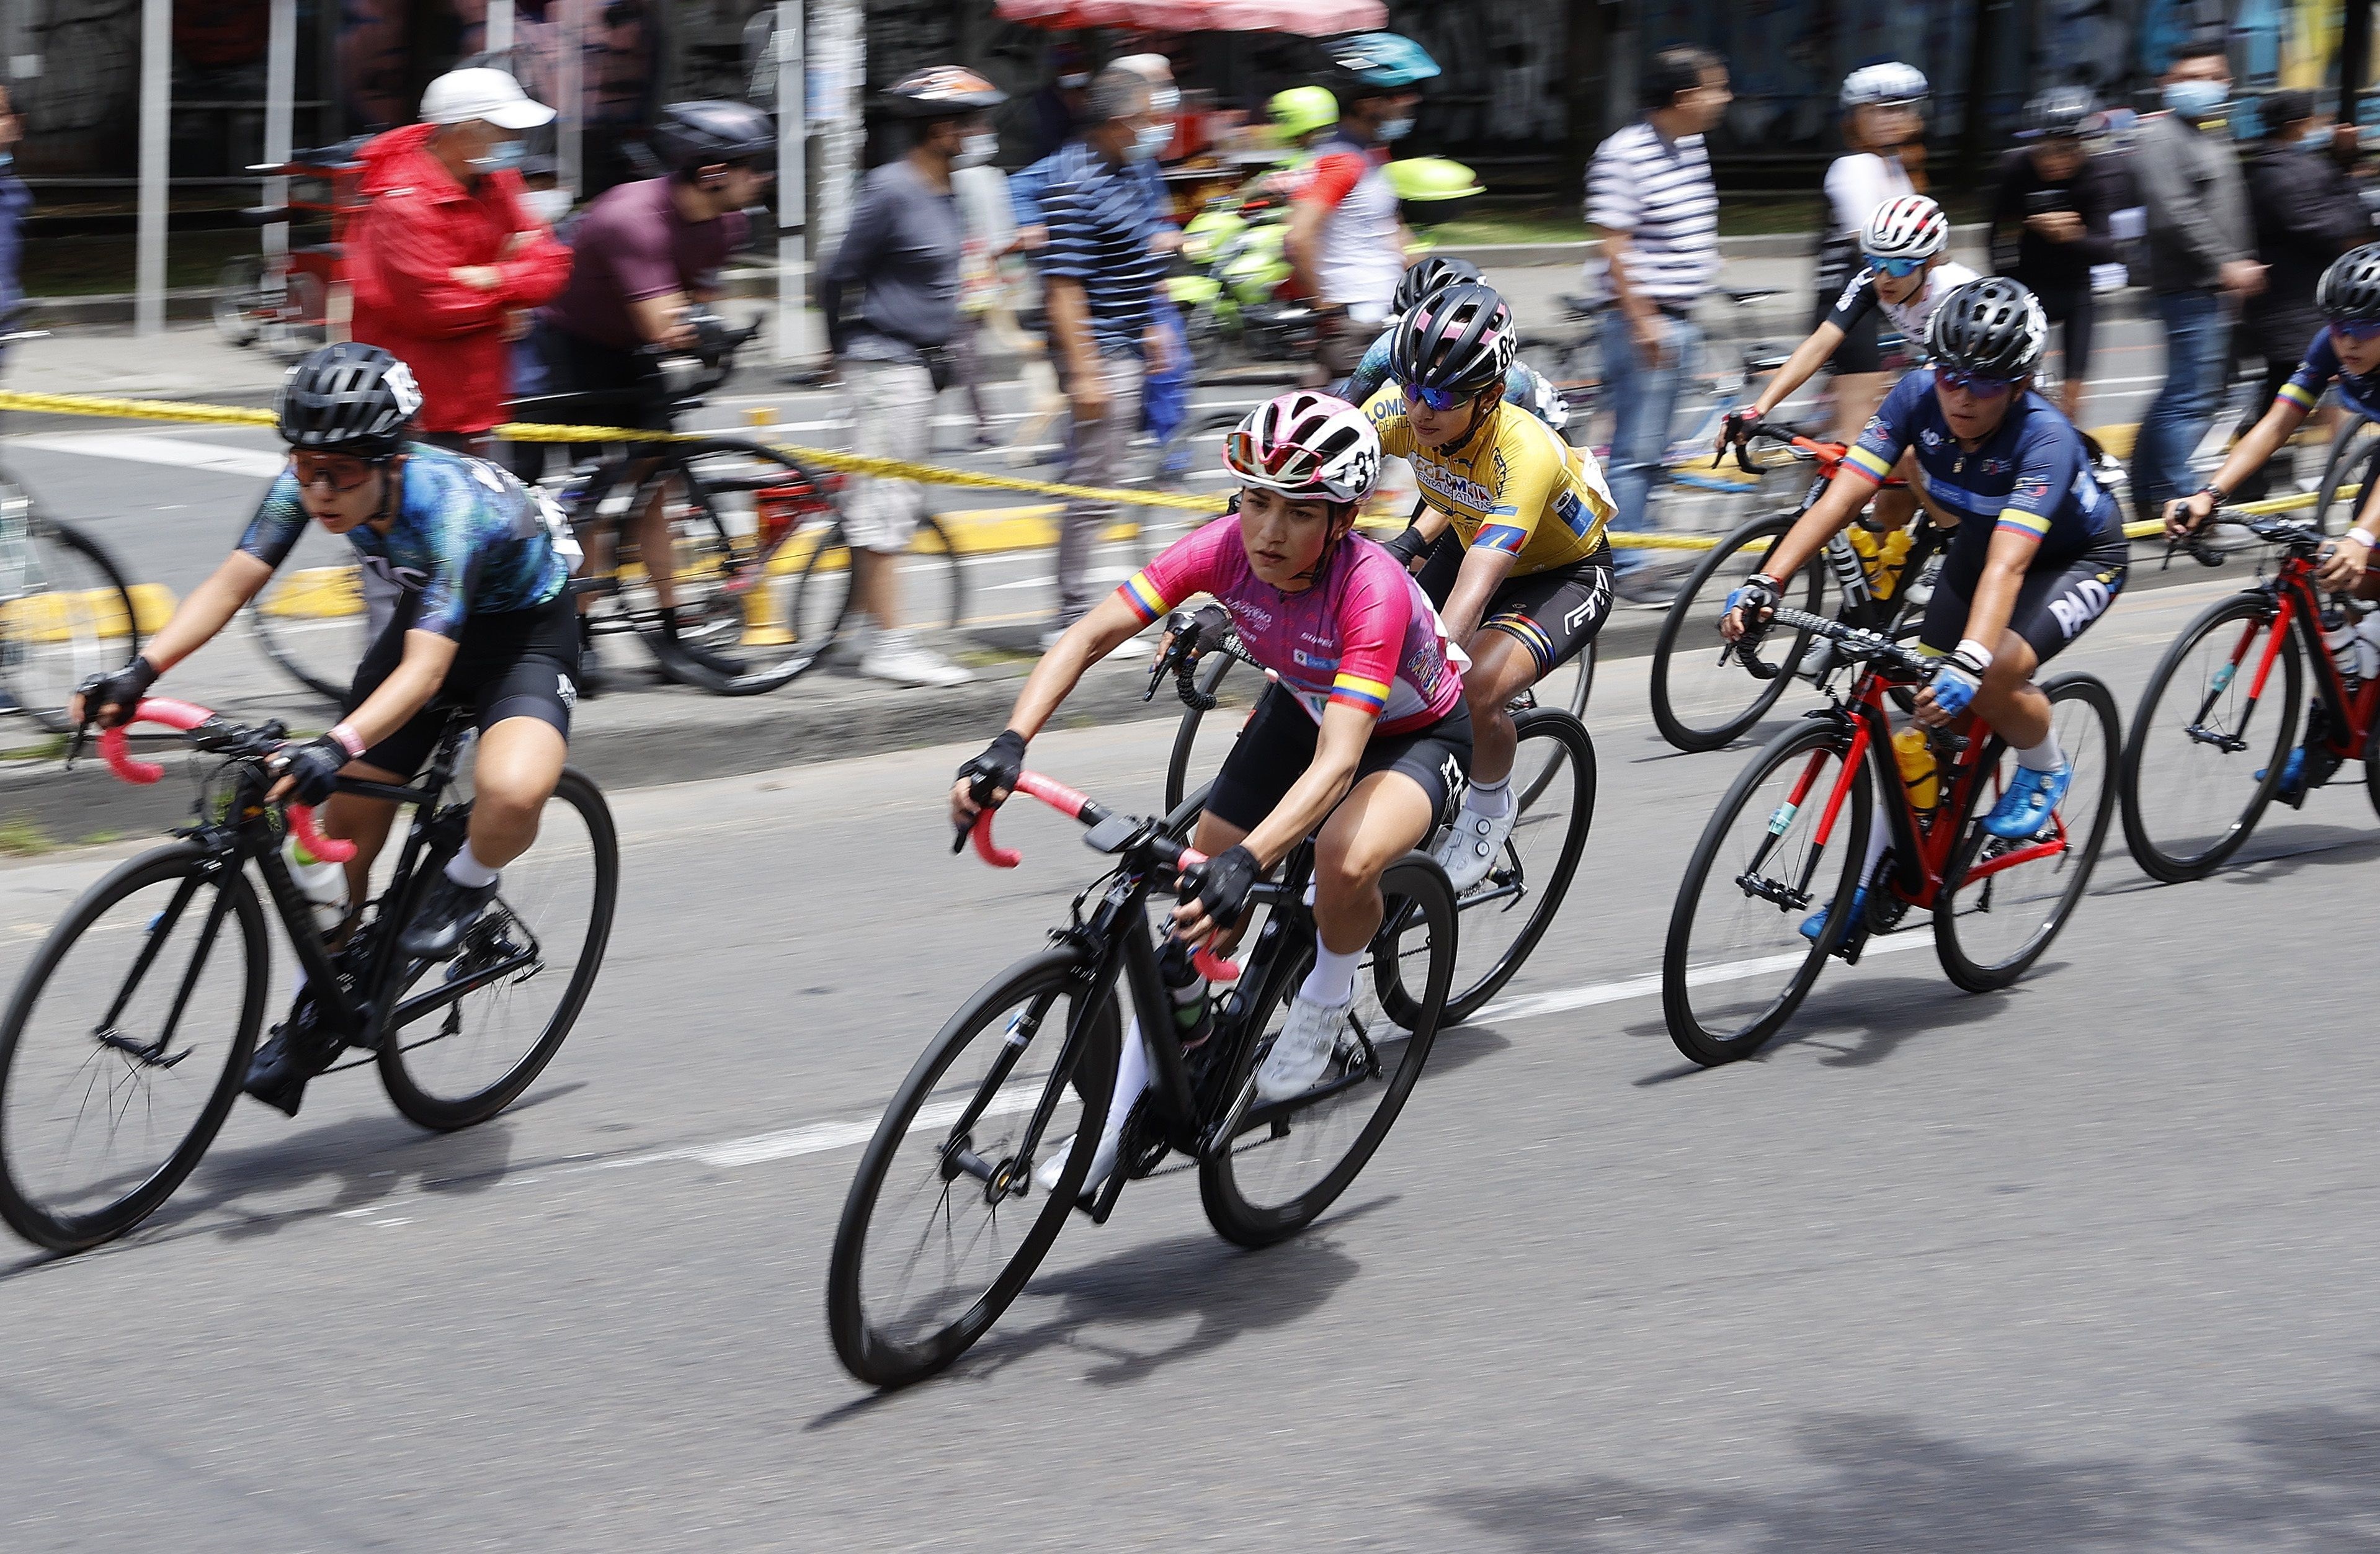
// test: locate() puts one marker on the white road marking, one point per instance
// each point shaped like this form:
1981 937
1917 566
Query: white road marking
156 448
1561 1001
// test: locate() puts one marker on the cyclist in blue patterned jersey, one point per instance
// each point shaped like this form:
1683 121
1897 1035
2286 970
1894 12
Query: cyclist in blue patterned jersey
466 573
2039 552
1423 279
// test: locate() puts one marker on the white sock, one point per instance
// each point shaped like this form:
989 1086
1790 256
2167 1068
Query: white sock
1332 980
465 869
1132 1077
1879 837
1492 800
2044 757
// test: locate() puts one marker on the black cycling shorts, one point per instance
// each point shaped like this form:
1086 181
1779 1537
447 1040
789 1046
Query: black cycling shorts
523 664
1858 351
2074 308
2054 606
1276 746
1554 615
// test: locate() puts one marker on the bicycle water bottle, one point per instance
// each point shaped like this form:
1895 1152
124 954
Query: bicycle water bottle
2342 633
1894 552
322 884
1915 753
1192 1019
2363 635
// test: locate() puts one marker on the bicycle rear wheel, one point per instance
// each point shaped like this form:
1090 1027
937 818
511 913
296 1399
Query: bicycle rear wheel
2198 768
1291 1160
2001 902
943 1225
1735 967
126 1044
932 591
1566 689
65 612
772 512
2352 448
1700 703
450 1058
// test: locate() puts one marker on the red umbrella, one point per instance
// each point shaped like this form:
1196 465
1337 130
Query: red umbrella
1315 18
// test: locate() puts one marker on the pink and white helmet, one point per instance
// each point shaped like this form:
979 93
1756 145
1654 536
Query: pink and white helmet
1307 446
1909 226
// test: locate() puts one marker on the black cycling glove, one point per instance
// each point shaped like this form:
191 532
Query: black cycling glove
314 765
1221 884
996 769
1757 596
1408 547
122 690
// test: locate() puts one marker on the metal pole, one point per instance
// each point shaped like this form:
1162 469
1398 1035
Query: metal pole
156 100
2354 60
499 38
570 147
793 192
280 97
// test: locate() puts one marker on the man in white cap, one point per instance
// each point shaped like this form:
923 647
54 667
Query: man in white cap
448 258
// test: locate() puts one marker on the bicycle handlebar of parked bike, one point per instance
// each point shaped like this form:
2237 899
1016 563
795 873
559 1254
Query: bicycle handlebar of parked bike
190 717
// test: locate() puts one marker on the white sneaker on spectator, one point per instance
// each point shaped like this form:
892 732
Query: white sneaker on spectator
894 656
1302 1049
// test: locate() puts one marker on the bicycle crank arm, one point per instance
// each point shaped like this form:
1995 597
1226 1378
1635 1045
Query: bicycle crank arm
1785 898
447 993
2230 744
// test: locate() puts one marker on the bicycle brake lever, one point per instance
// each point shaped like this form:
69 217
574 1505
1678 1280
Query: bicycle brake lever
81 742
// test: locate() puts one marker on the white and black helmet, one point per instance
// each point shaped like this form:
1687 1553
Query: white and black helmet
1890 84
1907 226
1307 446
1994 327
347 399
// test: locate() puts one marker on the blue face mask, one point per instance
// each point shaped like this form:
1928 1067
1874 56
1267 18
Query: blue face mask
1148 142
2197 100
1396 129
8 160
503 155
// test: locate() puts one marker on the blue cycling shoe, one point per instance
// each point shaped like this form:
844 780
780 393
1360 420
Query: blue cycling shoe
2292 788
2024 809
1814 926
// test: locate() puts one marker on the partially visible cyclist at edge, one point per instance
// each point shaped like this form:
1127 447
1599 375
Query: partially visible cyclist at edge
2038 554
1422 280
645 254
1524 579
2345 352
1905 278
1362 735
483 620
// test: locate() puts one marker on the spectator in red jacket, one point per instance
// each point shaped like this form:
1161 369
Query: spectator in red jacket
447 258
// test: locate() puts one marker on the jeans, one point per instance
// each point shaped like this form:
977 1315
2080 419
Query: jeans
1165 396
2196 334
1643 399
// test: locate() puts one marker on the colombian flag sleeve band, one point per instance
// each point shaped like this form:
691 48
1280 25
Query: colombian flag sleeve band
1353 690
1868 464
1501 536
2296 394
2032 524
1146 601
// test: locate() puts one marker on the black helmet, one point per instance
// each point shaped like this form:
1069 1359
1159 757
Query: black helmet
1992 326
689 136
347 398
942 91
1428 275
2063 112
1461 341
2351 288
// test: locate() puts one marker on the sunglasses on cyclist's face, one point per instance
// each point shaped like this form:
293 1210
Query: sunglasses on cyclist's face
1437 399
2357 330
1897 268
341 472
1975 383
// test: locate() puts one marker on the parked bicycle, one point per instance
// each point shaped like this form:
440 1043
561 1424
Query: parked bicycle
944 1223
2199 770
1736 965
282 301
130 1032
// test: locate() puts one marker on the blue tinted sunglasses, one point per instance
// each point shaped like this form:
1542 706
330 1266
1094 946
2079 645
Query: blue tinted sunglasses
2355 329
1975 384
1437 399
1896 268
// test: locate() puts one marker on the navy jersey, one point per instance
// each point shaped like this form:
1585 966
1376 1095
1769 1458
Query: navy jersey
2031 476
2319 369
469 539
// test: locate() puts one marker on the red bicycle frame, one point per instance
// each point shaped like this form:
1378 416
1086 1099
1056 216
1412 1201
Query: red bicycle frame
2294 604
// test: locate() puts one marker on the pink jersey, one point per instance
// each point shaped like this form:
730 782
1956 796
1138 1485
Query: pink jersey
1363 636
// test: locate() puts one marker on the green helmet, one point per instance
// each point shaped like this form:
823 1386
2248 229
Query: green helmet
1301 110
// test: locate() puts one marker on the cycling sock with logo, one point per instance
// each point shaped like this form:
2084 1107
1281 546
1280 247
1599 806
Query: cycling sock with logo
1332 980
2044 757
1492 799
465 869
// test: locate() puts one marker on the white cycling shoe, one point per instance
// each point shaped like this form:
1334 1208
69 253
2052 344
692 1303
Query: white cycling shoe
1472 846
1302 1049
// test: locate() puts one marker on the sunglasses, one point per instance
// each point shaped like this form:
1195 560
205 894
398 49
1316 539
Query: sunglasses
2357 330
1896 268
1437 399
1975 384
341 472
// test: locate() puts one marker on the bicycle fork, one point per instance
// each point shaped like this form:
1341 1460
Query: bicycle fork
1795 897
2237 740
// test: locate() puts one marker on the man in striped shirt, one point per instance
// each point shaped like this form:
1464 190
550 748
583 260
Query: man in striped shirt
1100 273
1650 195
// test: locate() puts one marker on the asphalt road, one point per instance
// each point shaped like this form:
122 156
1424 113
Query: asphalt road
2086 1264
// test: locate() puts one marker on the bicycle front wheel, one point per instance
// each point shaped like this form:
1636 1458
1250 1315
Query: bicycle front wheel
65 615
2200 766
1291 1160
1202 739
944 1222
2352 449
2001 902
126 1044
464 1038
1699 702
1736 966
314 625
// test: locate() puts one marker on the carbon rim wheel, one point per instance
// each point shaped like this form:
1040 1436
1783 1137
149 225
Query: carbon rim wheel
2001 902
1700 703
1565 689
2189 800
65 612
108 1097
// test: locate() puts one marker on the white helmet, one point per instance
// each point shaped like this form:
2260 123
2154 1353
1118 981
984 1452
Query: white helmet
1910 226
1307 446
1890 82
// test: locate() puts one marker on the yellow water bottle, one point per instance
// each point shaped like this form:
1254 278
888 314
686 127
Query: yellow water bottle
1915 755
1888 560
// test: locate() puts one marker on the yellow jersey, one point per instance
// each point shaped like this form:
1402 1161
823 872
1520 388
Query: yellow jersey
1515 486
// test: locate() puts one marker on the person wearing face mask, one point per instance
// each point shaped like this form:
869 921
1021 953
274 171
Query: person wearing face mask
2202 257
1347 237
1165 393
448 257
14 200
900 259
2050 221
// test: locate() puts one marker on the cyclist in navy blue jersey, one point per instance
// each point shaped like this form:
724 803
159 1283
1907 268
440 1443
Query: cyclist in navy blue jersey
2039 552
466 573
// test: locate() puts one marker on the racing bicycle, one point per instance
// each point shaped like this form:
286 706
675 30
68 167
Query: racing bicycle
1791 833
131 1030
944 1222
2199 770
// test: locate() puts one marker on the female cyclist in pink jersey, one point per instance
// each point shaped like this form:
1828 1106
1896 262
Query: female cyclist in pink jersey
1362 741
